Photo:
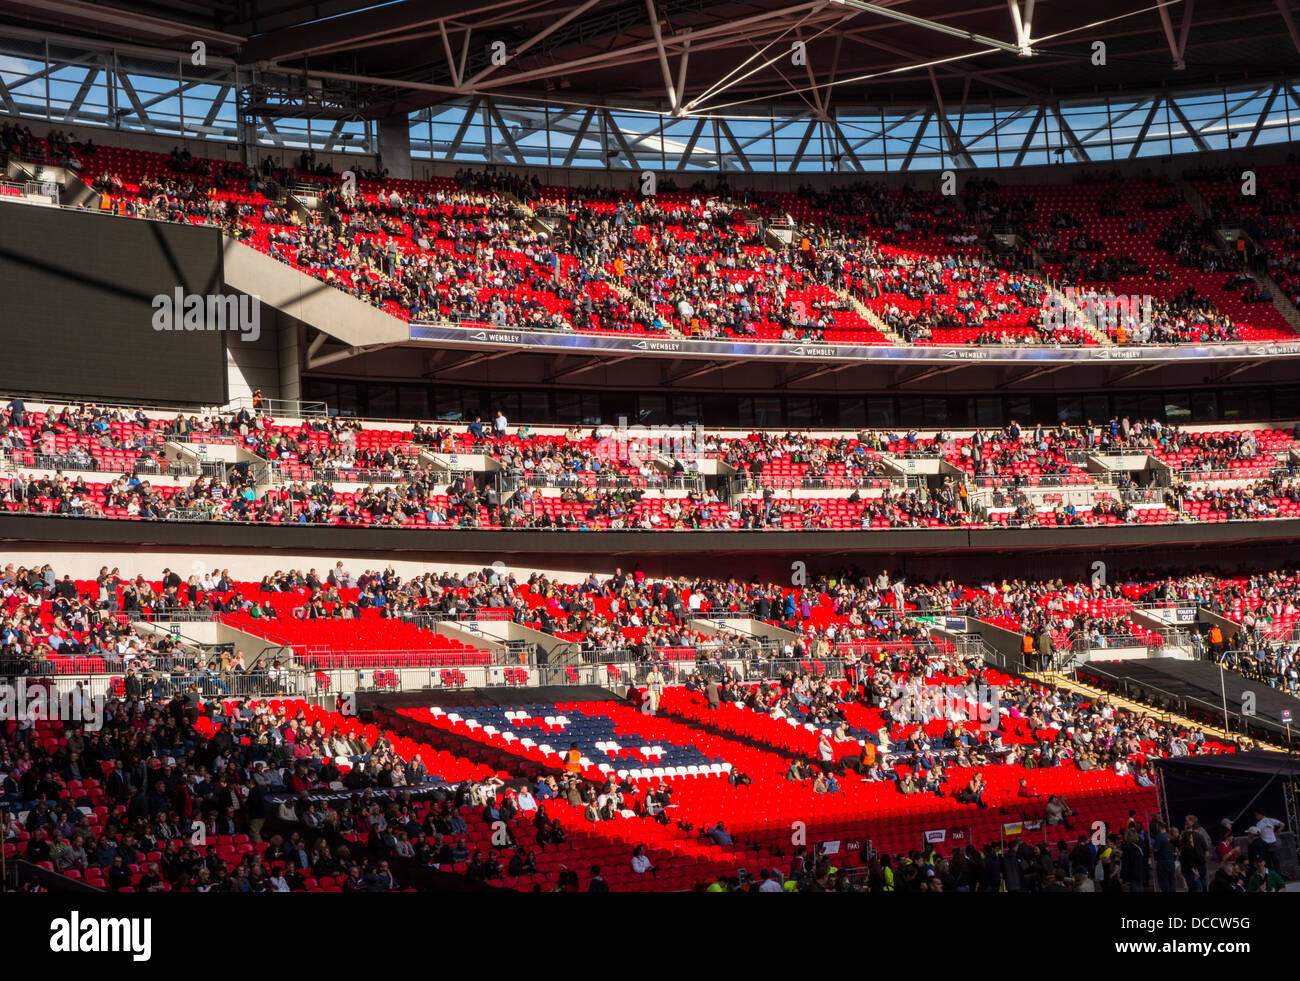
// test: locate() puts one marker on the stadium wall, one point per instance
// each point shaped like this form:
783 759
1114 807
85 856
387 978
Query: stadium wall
82 545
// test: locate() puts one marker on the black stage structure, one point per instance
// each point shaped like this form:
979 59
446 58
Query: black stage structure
1199 690
451 698
1234 786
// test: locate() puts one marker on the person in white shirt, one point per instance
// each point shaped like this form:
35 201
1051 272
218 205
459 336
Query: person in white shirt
1268 828
769 884
526 801
640 861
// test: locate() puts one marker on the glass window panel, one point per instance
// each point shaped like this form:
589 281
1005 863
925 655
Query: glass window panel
799 411
880 414
1205 405
853 412
1178 408
652 409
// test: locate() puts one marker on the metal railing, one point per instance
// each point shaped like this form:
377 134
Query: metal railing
229 515
161 614
205 513
757 484
247 471
165 683
235 684
50 190
634 671
430 620
333 659
516 652
1248 663
1164 704
354 473
603 481
293 408
19 667
1031 482
741 650
34 459
1263 471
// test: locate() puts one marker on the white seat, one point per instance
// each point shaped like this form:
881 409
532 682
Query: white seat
659 771
527 742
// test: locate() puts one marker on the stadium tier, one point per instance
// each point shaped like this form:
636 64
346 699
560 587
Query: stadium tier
698 264
498 477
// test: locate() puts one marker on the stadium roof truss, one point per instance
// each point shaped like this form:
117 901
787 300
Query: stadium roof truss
679 85
902 138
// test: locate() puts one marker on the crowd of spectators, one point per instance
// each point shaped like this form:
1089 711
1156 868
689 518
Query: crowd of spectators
506 251
173 788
